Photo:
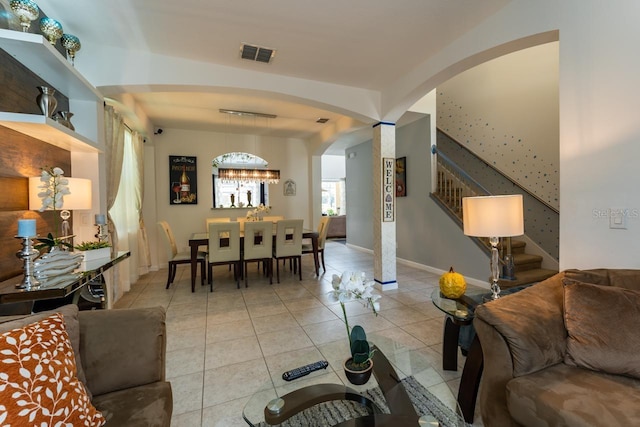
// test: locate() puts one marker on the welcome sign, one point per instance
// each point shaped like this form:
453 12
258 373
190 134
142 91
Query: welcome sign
388 189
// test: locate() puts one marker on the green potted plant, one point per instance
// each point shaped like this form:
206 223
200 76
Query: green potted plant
352 286
94 250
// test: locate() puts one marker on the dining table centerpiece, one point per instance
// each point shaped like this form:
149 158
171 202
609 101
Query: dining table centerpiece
353 286
258 213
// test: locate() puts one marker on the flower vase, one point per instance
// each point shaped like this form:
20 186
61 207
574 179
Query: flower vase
64 118
47 101
357 377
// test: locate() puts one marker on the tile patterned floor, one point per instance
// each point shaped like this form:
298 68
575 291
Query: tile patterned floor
222 345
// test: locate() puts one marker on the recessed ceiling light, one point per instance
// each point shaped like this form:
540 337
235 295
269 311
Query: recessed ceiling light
256 53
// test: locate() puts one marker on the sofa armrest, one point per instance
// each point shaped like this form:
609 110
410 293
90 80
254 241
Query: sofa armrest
120 349
497 372
532 324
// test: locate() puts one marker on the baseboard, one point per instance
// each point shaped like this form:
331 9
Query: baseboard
423 267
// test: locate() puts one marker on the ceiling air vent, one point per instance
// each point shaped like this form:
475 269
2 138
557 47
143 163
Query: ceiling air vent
322 120
256 53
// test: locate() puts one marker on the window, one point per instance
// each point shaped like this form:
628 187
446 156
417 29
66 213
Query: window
241 193
333 202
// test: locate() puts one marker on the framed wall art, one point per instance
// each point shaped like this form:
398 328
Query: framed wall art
183 180
289 188
401 177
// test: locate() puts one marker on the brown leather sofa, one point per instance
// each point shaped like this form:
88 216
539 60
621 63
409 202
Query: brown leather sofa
120 357
563 352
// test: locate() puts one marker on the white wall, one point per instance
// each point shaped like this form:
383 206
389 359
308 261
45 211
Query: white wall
333 167
288 155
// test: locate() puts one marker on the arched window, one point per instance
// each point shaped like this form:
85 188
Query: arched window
239 190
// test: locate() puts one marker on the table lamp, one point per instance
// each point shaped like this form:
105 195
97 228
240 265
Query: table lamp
79 197
493 217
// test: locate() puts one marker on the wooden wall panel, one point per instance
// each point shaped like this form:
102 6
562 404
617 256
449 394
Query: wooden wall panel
22 157
20 88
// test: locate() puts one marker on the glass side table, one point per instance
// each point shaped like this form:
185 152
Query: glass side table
460 312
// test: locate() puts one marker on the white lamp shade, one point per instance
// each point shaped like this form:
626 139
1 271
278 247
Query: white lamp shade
493 216
79 197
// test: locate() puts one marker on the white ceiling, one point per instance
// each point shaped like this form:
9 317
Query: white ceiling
361 43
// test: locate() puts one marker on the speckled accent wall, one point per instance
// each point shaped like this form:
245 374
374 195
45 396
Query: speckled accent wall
506 112
541 223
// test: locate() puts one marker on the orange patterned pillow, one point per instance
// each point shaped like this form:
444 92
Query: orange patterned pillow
38 383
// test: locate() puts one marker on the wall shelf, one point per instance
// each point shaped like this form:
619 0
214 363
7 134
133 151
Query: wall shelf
47 130
38 55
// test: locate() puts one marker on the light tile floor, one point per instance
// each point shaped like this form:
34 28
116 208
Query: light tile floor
222 345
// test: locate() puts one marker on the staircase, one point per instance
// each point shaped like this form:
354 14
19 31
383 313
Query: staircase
452 185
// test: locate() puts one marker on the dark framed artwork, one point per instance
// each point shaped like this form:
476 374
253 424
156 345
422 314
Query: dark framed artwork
183 180
401 177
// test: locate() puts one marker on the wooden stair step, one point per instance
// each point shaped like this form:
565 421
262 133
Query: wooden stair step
526 261
518 246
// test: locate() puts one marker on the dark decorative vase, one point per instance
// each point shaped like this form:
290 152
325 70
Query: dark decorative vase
47 101
358 377
233 200
64 118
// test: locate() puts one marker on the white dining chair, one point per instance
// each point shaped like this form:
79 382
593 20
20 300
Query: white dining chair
289 244
208 221
323 228
258 247
224 248
174 257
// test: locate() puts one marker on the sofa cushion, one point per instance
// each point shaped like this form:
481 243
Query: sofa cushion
38 382
563 395
72 326
537 344
149 405
601 323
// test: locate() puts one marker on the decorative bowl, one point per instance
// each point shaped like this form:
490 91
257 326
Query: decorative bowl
72 44
51 28
26 11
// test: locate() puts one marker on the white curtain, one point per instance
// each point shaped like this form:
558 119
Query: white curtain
114 141
144 259
125 206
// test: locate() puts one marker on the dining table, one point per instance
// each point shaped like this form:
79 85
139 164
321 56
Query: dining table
202 239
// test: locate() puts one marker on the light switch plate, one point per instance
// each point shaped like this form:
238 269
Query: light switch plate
617 219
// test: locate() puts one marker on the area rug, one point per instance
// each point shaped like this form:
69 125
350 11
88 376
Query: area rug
331 413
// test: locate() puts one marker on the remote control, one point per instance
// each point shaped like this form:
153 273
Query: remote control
304 370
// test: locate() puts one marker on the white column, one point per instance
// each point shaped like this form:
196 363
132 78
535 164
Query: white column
384 206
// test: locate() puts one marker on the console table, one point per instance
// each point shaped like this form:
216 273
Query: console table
20 301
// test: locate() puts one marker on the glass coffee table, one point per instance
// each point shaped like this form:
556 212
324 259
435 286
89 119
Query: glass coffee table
396 394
